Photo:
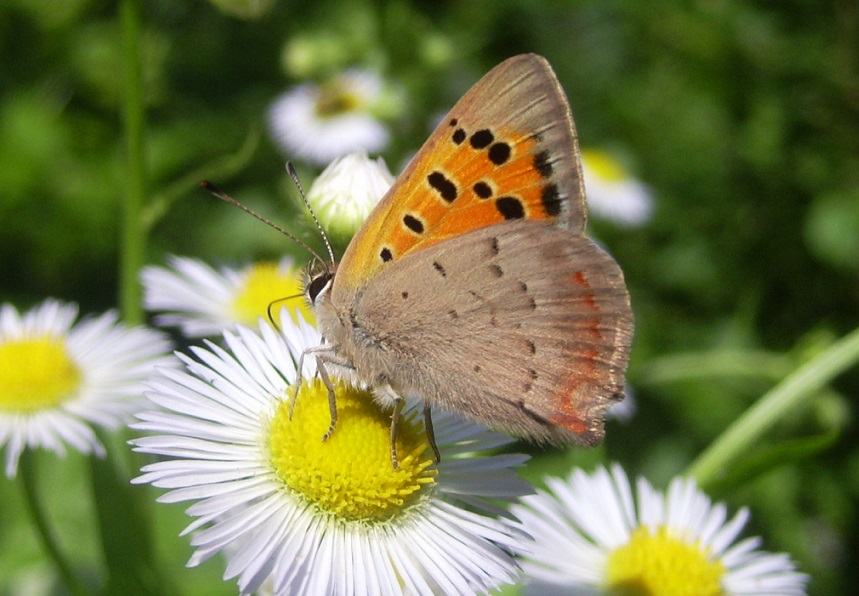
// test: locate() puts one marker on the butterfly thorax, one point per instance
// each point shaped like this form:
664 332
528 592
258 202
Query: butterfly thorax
356 354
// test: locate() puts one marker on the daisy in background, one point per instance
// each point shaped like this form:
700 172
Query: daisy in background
612 193
202 301
57 378
320 122
308 516
593 536
345 193
624 410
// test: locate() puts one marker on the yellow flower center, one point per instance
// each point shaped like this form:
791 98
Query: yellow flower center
336 99
349 475
36 373
604 166
659 563
270 284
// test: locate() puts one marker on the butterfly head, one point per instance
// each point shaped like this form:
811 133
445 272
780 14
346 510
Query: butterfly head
318 279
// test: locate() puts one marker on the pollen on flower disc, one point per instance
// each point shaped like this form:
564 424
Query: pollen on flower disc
350 474
659 562
36 373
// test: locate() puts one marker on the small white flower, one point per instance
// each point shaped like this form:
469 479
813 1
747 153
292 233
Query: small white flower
202 302
624 410
57 379
593 536
332 517
344 194
612 193
322 122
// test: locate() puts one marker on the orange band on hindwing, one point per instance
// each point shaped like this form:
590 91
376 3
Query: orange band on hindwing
585 359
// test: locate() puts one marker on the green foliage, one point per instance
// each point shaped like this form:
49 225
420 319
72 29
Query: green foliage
741 116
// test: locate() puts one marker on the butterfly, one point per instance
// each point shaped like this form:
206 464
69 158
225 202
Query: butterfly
472 286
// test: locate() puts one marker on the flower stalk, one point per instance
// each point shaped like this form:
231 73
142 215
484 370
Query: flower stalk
133 240
793 392
35 508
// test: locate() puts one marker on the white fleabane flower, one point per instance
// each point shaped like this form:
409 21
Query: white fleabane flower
202 301
322 122
58 378
345 193
593 536
623 410
334 517
612 193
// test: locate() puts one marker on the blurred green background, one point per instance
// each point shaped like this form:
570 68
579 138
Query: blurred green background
743 117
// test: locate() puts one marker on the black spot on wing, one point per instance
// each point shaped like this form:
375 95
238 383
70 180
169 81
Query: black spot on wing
551 199
499 153
510 207
543 164
482 139
445 188
482 190
413 223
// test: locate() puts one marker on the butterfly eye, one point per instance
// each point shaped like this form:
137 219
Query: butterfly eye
317 284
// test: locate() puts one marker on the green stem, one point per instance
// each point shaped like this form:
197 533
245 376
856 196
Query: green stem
224 167
133 241
791 393
40 520
682 367
126 528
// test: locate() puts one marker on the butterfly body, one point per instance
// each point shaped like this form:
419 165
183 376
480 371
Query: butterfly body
472 287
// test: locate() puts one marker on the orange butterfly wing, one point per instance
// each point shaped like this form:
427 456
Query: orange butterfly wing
484 164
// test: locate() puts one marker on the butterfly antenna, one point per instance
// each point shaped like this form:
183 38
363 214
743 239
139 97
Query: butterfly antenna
294 175
270 308
214 190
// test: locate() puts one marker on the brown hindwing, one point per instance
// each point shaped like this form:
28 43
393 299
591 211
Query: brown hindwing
523 326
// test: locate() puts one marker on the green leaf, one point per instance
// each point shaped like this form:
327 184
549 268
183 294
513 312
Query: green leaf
765 459
125 527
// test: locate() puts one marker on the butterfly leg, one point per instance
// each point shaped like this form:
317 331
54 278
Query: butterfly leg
324 354
299 368
386 395
399 402
332 401
430 433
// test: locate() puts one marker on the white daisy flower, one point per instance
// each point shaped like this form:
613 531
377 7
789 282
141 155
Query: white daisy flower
593 536
202 302
344 194
612 193
332 517
322 122
57 379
